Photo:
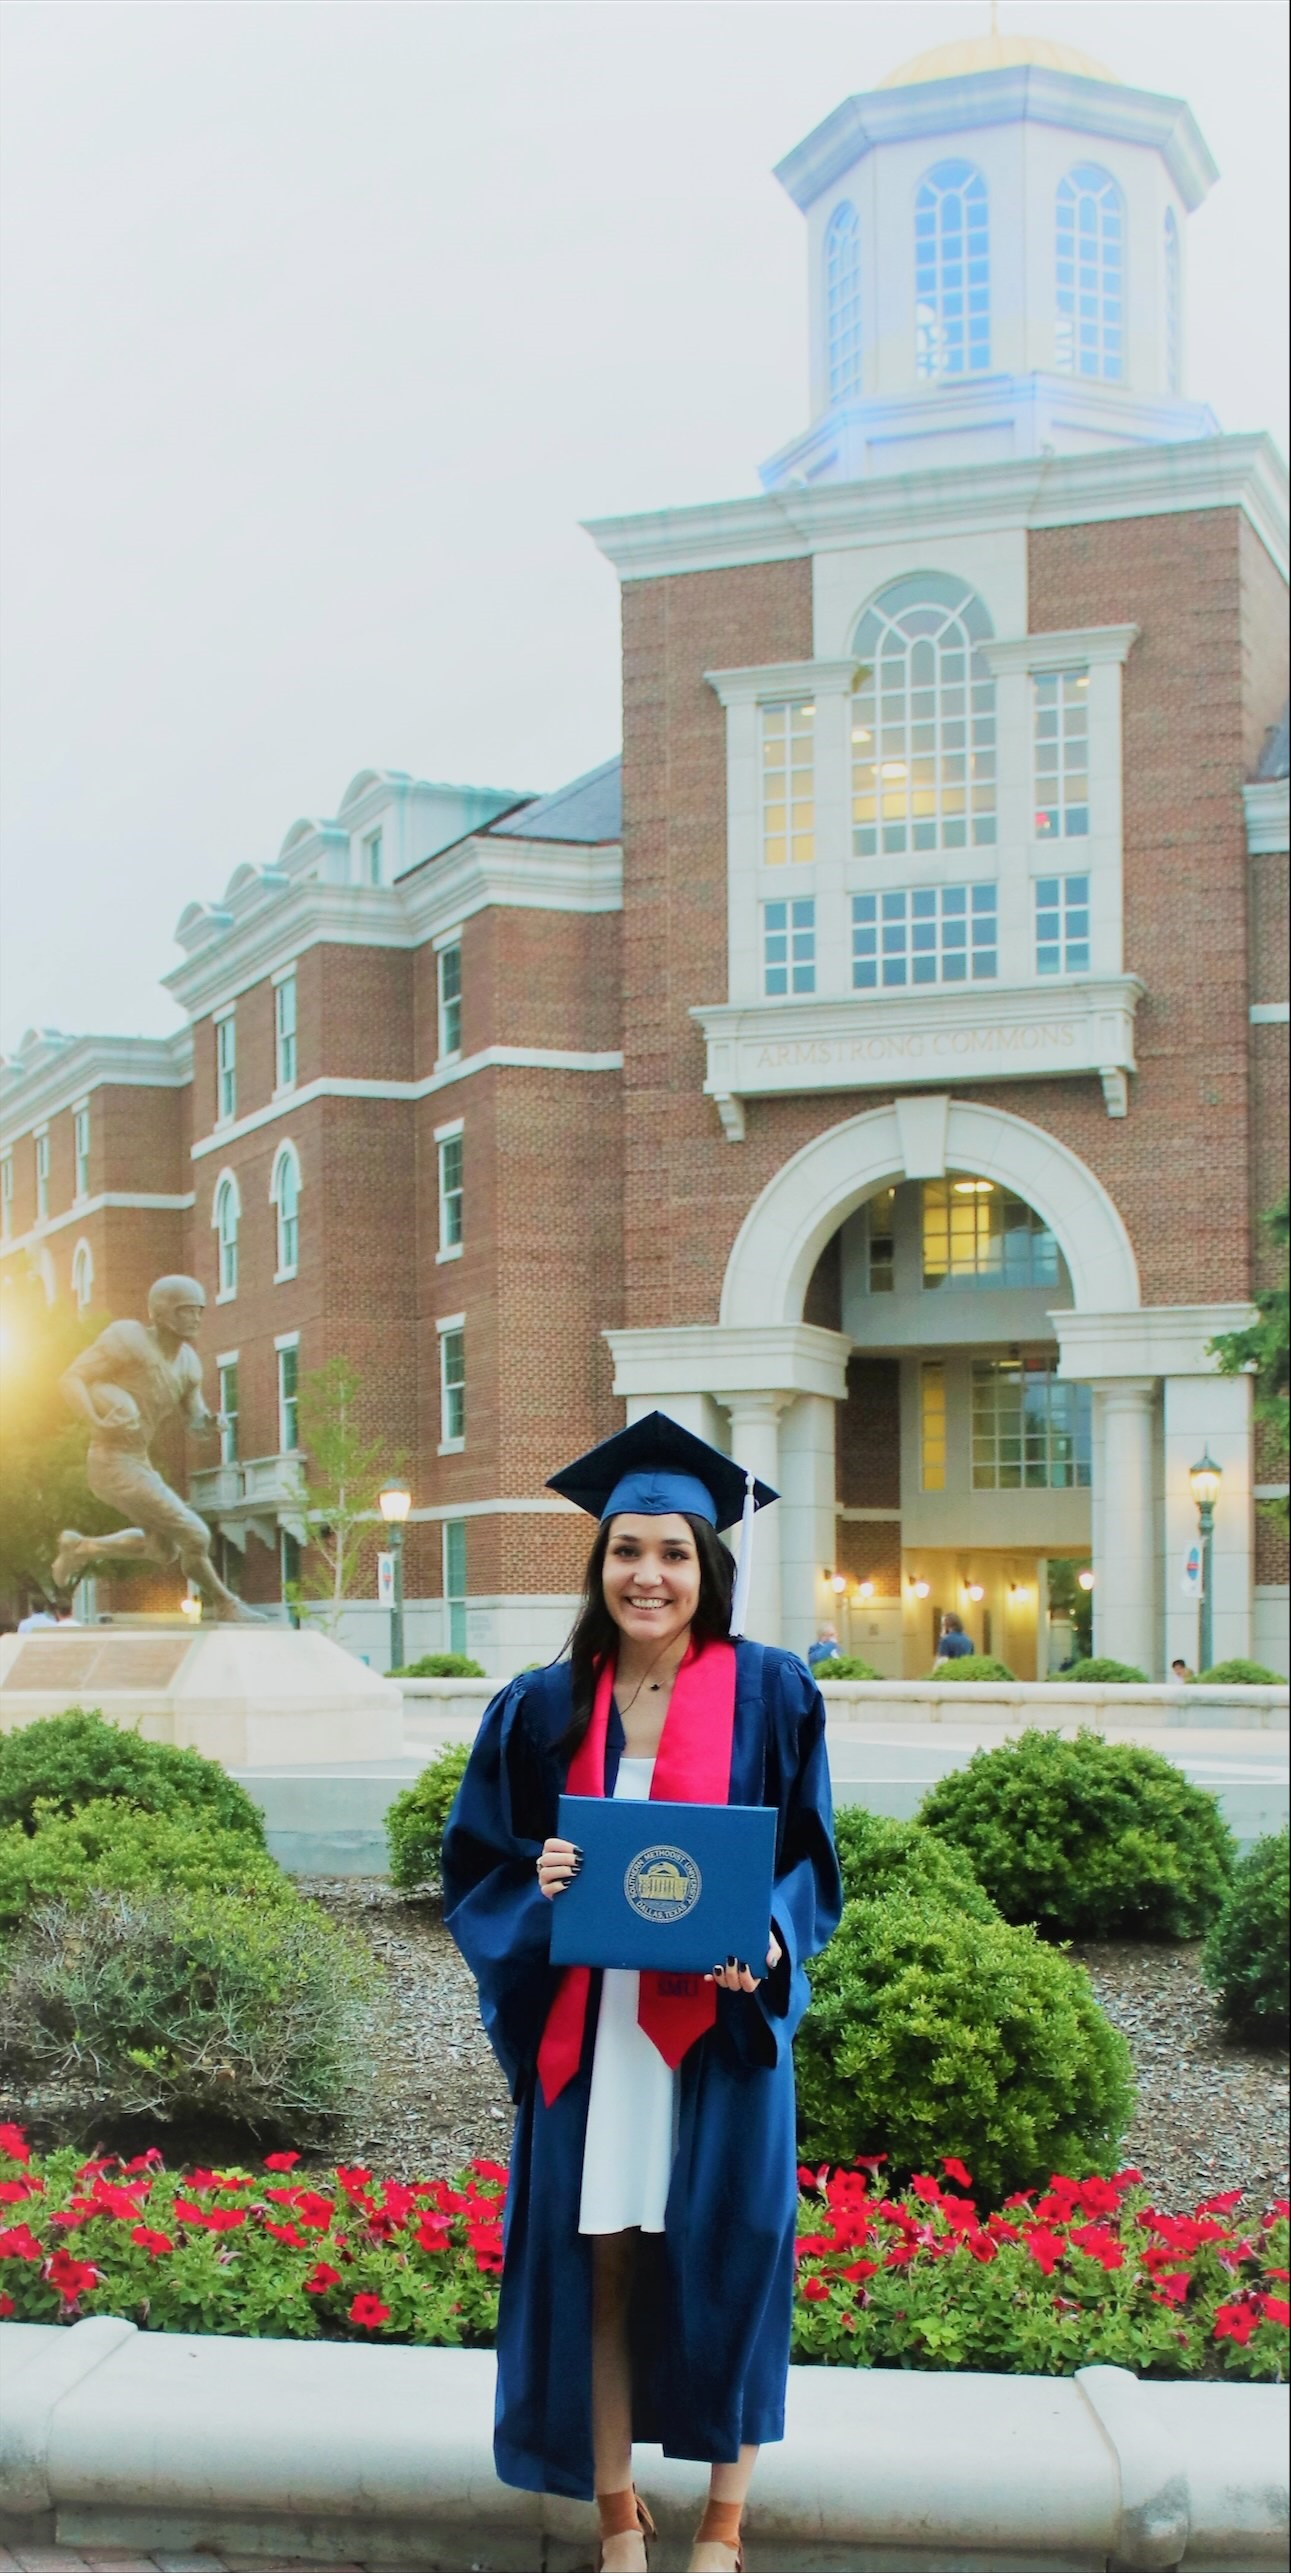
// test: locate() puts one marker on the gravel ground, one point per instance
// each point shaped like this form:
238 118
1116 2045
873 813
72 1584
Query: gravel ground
1211 2115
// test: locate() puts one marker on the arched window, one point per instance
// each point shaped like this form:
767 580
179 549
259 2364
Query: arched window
843 302
1089 335
226 1212
83 1276
923 725
284 1194
1173 304
952 272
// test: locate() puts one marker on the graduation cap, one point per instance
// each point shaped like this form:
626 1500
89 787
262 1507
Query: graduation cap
655 1467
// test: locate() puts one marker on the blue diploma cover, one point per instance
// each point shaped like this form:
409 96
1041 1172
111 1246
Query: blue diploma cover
665 1886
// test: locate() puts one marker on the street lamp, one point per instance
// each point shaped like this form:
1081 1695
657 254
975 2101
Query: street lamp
1205 1478
394 1504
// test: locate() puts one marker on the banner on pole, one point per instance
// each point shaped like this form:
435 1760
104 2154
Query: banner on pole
1190 1579
385 1581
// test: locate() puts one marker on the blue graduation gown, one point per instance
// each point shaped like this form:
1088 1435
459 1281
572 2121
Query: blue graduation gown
713 2294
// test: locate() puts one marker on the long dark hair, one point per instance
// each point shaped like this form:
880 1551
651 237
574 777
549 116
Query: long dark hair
594 1634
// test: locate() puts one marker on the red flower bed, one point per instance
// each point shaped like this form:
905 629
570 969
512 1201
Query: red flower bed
1083 2270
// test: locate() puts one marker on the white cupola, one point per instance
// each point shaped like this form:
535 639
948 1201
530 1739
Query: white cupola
995 239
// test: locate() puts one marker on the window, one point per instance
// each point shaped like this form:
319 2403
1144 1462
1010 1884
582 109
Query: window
788 785
923 721
6 1197
976 1234
450 1000
1090 333
788 947
455 1583
1173 304
450 1193
1060 718
81 1150
225 1215
82 1276
1062 925
931 934
226 1375
284 1020
372 859
843 302
226 1068
952 272
1031 1429
452 1384
42 1178
882 1269
932 1425
288 1397
288 1564
284 1194
228 1562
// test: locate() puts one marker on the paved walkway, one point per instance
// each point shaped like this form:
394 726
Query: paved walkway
107 2559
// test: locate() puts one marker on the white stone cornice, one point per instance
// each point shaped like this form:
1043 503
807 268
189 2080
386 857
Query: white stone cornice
491 1058
1078 648
523 875
48 1073
1149 1341
1268 816
722 1359
1270 1013
782 679
1244 472
138 1199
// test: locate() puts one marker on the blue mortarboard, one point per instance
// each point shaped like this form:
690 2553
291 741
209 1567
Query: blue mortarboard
655 1467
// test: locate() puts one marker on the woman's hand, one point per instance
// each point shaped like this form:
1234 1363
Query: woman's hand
558 1862
734 1976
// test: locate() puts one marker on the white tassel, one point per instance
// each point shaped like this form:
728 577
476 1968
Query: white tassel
744 1561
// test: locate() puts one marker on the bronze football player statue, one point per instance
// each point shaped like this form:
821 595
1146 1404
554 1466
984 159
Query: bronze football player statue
132 1380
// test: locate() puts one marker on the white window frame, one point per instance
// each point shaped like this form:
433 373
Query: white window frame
226 1243
927 925
82 1276
287 1253
40 1144
1068 714
6 1197
81 1138
789 815
452 1327
285 1344
950 346
843 342
1110 279
449 944
226 1066
286 1038
450 1246
228 1358
799 935
372 858
1066 913
455 1601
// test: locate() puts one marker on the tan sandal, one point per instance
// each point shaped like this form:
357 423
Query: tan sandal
720 2526
621 2515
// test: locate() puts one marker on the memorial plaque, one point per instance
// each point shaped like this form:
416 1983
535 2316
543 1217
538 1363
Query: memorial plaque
46 1663
93 1663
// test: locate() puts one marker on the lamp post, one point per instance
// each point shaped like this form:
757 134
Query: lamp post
1205 1479
394 1504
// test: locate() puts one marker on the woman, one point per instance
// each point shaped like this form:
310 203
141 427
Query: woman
648 2279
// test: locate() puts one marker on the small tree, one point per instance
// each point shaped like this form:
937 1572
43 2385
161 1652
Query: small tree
1262 1350
344 1472
42 1448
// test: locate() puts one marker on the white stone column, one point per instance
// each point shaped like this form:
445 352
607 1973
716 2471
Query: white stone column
808 1510
1209 1412
755 1444
1124 1543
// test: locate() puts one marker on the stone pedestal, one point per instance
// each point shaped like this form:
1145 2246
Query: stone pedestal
250 1697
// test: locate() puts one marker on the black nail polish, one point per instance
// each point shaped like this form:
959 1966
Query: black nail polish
730 1960
575 1848
577 1868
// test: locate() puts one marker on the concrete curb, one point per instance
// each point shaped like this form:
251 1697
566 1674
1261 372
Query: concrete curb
168 2441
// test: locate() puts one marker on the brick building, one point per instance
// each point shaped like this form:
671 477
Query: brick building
883 1066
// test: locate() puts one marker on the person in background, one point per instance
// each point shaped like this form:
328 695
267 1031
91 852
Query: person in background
825 1648
952 1642
1180 1673
45 1615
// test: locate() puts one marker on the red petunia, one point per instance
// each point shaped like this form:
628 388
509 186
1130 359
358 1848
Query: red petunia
489 2170
369 2312
15 2193
1276 2309
91 2170
7 2307
1099 2245
815 2289
1173 2289
215 2220
321 2278
1046 2248
955 2171
433 2233
157 2244
18 2242
286 2233
14 2143
308 2206
1237 2321
929 2191
281 2161
859 2269
1223 2205
72 2278
901 2256
145 2161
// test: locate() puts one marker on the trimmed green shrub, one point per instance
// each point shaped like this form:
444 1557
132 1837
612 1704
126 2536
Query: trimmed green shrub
68 1761
416 1819
973 1666
1245 1956
439 1666
879 1857
1098 1667
1087 1838
1237 1674
188 2006
844 1666
111 1845
933 2034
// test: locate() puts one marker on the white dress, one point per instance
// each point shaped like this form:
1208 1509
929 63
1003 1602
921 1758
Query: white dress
632 2115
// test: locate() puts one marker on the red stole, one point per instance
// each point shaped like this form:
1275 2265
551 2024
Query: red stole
692 1766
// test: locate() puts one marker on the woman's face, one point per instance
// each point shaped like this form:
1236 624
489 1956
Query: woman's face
650 1578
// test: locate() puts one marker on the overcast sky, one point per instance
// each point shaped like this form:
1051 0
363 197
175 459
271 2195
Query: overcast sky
323 328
